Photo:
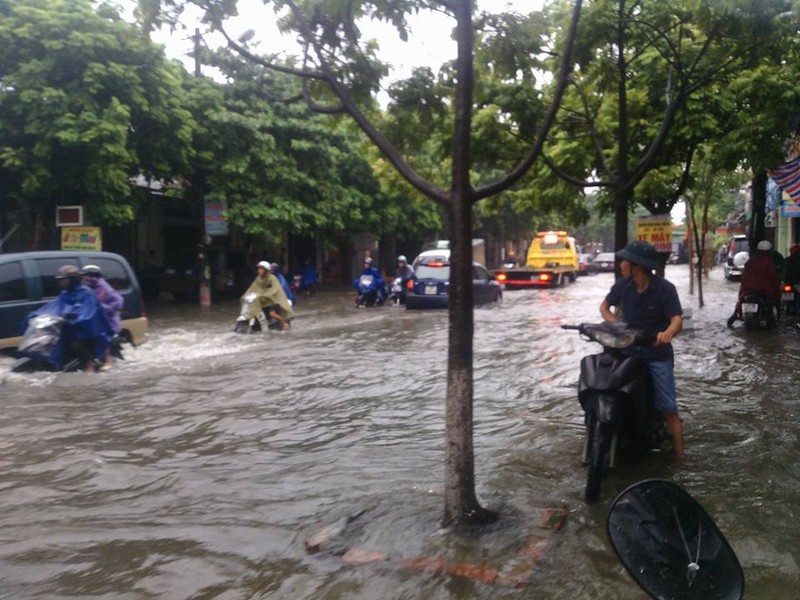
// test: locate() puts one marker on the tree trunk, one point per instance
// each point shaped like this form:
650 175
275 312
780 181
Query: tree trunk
460 502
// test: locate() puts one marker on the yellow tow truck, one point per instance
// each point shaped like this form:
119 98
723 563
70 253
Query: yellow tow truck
552 261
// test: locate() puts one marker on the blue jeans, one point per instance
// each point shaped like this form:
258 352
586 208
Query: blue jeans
664 396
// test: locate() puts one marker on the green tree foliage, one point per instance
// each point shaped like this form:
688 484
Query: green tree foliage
86 102
634 113
281 169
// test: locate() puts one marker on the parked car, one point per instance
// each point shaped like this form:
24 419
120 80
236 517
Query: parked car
586 265
605 262
431 284
27 281
738 254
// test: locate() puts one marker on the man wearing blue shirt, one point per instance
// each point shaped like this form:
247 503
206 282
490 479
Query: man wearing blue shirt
648 302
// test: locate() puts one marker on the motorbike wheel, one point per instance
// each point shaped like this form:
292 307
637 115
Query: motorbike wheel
598 446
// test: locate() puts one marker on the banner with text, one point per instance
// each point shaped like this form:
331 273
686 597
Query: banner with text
657 230
216 223
81 238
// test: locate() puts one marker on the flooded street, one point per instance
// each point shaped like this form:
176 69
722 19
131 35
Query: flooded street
201 466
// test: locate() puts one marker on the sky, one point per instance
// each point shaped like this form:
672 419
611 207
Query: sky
429 43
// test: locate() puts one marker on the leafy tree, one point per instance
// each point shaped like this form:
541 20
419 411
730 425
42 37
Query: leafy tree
86 103
340 72
640 64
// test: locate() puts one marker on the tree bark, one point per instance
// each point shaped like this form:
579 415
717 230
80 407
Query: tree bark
460 502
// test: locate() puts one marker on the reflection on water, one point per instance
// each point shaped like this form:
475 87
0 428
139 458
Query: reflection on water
202 464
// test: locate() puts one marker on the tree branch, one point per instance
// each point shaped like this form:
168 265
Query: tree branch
565 69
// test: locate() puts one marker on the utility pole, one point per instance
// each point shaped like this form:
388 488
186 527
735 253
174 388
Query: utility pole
196 38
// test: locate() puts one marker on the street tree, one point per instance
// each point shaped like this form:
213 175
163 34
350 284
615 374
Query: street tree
341 73
639 64
86 103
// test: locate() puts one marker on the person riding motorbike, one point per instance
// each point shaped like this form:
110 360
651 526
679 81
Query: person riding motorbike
760 275
650 303
378 278
270 296
86 333
405 273
110 300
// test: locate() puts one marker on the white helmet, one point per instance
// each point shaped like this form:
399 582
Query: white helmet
764 245
264 265
368 261
402 258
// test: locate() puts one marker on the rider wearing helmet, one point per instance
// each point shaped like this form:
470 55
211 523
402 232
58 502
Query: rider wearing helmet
405 273
86 333
110 300
760 276
378 278
270 296
648 302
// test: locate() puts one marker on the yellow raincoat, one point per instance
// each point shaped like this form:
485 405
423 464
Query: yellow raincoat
270 295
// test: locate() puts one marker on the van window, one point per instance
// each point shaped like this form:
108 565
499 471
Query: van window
113 272
48 267
12 282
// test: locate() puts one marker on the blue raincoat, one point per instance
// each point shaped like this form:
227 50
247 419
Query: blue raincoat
84 320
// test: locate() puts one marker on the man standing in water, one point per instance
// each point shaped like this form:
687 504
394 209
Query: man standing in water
650 303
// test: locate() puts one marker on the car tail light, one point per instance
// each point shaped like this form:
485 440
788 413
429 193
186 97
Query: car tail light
501 277
787 288
436 264
544 277
410 284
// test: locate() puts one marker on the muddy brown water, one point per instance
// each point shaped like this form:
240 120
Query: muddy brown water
201 466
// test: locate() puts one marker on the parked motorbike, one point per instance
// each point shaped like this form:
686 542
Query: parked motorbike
41 348
757 312
261 322
615 392
368 291
670 545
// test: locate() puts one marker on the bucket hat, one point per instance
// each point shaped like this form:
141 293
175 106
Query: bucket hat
641 253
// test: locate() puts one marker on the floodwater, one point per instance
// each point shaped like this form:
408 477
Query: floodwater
201 466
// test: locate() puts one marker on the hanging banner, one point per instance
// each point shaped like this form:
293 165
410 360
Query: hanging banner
216 223
657 230
81 238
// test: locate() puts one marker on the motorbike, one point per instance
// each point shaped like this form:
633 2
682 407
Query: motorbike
757 312
41 348
396 295
670 545
261 322
790 298
615 392
369 293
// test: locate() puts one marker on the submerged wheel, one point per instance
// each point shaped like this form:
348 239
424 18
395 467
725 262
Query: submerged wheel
598 445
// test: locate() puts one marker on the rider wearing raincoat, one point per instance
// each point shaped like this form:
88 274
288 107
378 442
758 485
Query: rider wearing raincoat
269 295
86 331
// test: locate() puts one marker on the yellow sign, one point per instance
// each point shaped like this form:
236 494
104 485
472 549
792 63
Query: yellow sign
81 238
657 230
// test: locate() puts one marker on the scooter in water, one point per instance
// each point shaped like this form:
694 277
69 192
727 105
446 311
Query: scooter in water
671 546
41 348
756 312
261 322
369 292
615 392
396 295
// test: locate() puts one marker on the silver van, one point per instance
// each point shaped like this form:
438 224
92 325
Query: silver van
27 281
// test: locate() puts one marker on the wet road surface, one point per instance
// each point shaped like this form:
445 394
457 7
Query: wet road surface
200 467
